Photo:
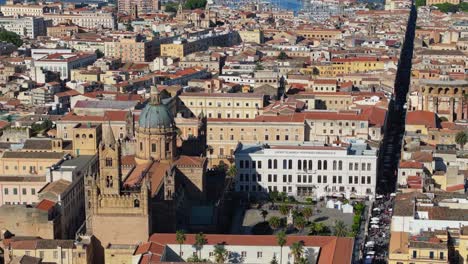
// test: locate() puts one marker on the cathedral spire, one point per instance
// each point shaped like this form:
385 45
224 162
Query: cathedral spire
108 138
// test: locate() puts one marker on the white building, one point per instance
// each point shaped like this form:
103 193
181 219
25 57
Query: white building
65 62
88 19
259 249
417 212
30 27
307 170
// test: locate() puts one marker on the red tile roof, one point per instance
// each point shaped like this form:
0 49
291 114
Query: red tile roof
411 165
334 250
425 118
45 205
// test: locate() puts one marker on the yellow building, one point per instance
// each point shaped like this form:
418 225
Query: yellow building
131 49
86 138
255 36
50 251
222 105
340 66
427 247
83 75
463 245
436 2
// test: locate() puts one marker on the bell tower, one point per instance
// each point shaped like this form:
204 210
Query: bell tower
109 163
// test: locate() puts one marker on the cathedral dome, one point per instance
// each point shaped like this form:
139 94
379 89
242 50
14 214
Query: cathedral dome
156 115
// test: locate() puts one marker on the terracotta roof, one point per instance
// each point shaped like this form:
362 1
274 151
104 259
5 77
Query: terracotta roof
411 165
45 205
334 250
425 118
190 161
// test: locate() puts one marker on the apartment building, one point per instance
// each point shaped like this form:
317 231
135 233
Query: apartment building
132 49
426 247
307 170
142 6
65 62
62 30
222 105
23 174
86 19
28 10
30 27
183 47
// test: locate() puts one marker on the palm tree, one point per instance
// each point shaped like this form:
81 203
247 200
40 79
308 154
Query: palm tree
232 171
307 213
274 222
273 196
281 239
340 229
180 238
220 253
284 209
264 214
297 248
461 138
200 241
300 222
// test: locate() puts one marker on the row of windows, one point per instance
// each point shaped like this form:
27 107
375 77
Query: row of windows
304 178
31 168
304 165
288 189
219 104
267 137
24 191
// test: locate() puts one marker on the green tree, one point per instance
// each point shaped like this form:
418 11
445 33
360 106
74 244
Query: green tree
281 239
284 209
264 214
220 253
171 7
447 8
99 53
273 196
461 138
180 238
274 261
282 196
282 56
259 66
300 222
307 213
194 4
340 229
420 3
200 241
274 222
297 249
10 37
232 171
129 27
9 118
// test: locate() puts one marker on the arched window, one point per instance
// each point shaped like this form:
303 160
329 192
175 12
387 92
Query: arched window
136 203
319 165
324 164
83 136
285 164
141 146
299 165
90 136
77 136
108 162
310 165
334 165
340 165
290 164
304 164
269 164
275 164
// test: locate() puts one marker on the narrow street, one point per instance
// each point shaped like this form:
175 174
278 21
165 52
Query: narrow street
395 121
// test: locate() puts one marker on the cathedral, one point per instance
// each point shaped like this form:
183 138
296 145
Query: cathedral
130 197
197 18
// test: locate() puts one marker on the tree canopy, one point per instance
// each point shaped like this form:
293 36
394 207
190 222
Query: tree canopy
10 37
194 4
